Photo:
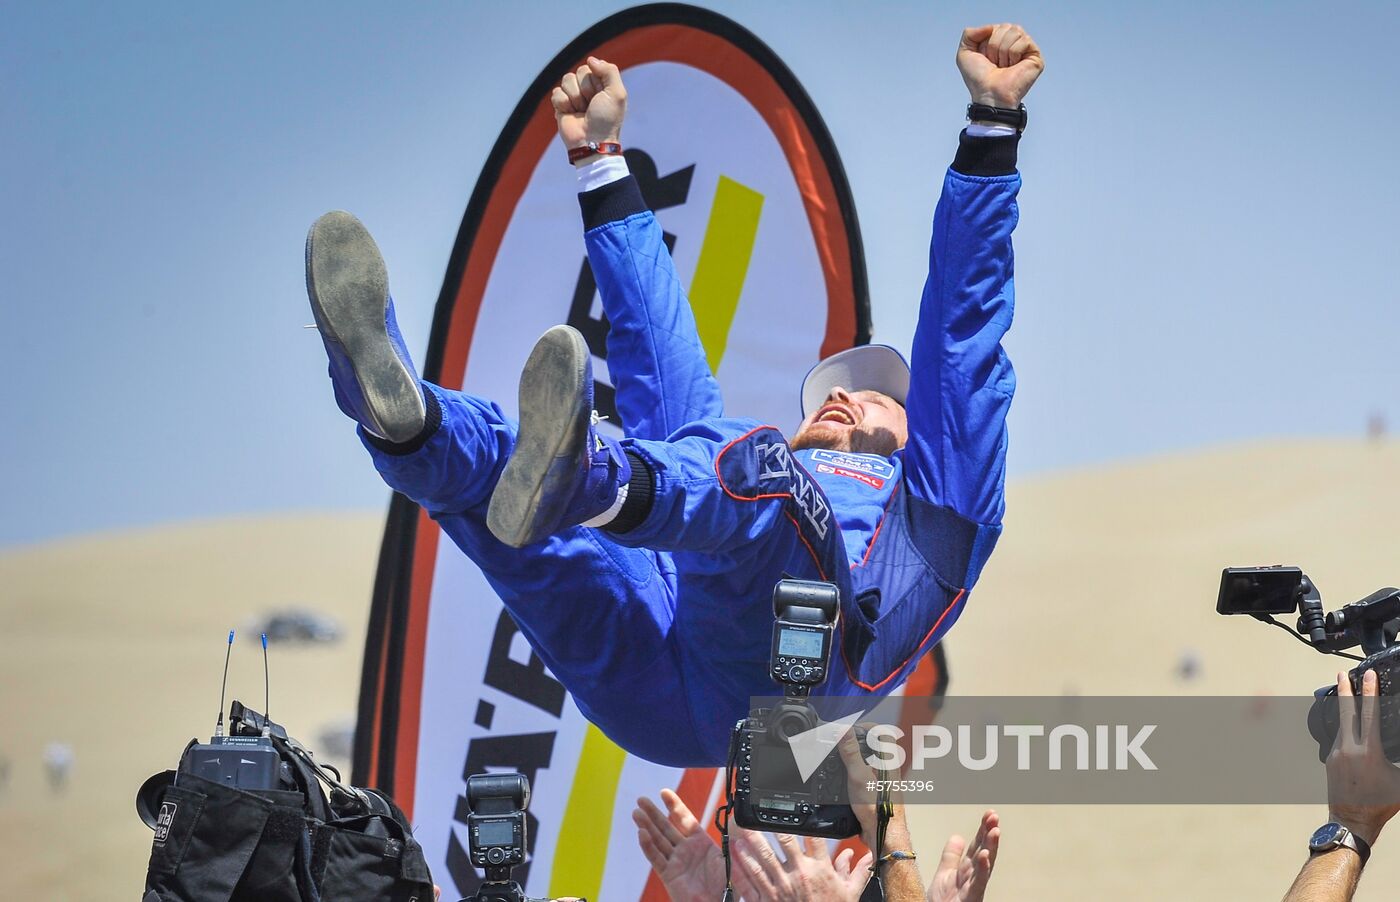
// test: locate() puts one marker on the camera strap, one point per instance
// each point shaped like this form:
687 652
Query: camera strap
884 810
723 811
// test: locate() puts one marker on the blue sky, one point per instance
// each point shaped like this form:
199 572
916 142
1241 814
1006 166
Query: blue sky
1204 256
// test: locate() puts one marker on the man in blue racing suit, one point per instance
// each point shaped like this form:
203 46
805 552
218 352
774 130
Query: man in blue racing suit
641 570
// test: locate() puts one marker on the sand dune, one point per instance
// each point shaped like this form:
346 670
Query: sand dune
1103 579
115 644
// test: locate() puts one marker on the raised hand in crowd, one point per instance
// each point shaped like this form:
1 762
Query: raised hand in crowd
964 870
690 866
805 873
679 850
1363 787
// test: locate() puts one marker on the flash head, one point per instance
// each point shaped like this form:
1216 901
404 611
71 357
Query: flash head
800 593
498 793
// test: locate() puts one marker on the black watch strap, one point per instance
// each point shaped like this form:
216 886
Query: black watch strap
1363 848
981 112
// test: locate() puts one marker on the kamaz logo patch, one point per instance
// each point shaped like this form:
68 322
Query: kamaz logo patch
810 499
775 462
164 819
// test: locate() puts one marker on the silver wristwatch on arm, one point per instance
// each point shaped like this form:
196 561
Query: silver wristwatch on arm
1333 835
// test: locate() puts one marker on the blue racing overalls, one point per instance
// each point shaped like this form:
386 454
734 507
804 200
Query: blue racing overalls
662 634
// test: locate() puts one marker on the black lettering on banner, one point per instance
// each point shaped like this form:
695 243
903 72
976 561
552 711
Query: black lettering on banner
528 682
526 753
659 192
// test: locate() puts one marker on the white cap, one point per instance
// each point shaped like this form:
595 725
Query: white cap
865 368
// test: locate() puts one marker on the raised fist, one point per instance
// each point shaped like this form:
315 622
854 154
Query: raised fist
999 63
590 104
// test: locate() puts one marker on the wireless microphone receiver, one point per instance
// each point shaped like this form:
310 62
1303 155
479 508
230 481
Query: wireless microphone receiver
243 762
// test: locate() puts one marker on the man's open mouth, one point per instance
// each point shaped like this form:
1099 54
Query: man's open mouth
835 413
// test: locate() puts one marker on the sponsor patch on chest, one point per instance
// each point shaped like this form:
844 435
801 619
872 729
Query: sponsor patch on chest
870 469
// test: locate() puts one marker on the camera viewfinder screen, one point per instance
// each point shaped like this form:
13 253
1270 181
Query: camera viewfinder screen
800 644
775 770
1259 590
495 833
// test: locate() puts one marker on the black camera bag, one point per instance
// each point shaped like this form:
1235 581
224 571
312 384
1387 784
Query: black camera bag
215 843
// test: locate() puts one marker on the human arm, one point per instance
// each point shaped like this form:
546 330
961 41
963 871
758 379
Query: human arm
655 357
963 870
899 871
961 380
1363 794
1329 877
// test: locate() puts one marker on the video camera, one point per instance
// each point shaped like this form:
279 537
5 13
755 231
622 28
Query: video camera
769 749
1371 623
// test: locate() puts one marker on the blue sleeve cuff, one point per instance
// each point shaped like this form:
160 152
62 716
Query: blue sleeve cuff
612 202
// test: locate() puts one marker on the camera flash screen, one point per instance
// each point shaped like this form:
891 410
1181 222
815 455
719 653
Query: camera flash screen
495 833
800 644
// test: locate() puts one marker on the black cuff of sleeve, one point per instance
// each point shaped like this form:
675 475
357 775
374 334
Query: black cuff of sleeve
612 202
986 156
641 491
432 422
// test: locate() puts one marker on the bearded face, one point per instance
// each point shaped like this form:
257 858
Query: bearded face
864 422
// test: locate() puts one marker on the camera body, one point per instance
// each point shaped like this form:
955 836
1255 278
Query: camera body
787 774
770 792
1371 623
1323 718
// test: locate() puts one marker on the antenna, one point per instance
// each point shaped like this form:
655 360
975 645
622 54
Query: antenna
219 725
267 692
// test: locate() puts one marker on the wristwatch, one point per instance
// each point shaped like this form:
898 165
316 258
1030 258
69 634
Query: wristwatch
1333 835
1012 116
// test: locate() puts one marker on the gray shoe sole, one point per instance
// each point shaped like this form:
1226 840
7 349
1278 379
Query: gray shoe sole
349 289
554 418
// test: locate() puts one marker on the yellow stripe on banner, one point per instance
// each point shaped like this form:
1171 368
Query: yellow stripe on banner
581 853
723 264
582 848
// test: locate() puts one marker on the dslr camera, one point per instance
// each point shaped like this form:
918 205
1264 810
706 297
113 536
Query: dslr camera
766 764
1372 623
